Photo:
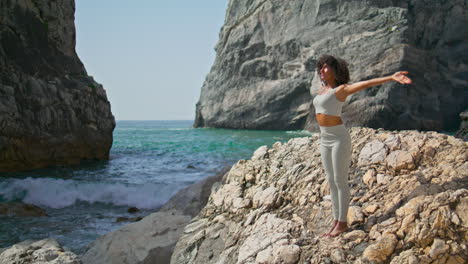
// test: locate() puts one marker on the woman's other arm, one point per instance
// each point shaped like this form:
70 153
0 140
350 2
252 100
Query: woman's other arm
348 89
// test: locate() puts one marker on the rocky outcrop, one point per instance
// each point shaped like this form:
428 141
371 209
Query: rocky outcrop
21 209
51 111
463 130
267 50
152 239
38 252
409 205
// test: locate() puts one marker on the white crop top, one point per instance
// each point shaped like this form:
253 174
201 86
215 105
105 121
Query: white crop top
328 104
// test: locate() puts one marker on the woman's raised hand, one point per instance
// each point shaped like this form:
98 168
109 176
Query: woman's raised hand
401 77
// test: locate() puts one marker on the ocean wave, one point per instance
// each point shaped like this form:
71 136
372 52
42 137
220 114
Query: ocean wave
59 193
300 132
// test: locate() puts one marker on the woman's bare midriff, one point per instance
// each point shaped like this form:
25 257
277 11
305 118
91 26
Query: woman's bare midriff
328 120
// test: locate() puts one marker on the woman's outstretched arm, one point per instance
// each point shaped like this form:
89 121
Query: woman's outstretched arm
358 86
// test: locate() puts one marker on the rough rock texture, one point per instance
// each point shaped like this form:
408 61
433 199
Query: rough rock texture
267 50
272 208
38 252
463 130
21 209
51 111
152 239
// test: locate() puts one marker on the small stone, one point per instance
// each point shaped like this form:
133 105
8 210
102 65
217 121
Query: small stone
369 177
354 235
382 249
411 207
455 248
373 152
337 256
261 153
267 198
287 254
438 247
455 260
371 208
249 178
399 159
355 215
393 142
388 222
381 179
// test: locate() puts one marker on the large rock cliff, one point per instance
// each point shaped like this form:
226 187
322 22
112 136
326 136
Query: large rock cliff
51 111
408 205
267 49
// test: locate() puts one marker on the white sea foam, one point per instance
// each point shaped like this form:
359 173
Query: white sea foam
300 132
58 193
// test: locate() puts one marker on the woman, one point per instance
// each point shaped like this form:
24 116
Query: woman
335 141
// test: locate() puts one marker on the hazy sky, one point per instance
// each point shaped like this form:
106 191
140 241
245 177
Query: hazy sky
152 56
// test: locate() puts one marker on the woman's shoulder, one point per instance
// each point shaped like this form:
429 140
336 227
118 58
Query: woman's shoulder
341 93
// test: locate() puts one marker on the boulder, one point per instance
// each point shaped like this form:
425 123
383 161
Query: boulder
152 239
149 240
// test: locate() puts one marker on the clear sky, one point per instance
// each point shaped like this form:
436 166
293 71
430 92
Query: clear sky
152 56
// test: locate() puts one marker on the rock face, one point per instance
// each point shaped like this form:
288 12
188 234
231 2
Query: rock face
51 111
267 51
38 252
152 239
272 208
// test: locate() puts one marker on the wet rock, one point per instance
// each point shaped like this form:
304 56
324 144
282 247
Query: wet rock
21 209
128 219
133 210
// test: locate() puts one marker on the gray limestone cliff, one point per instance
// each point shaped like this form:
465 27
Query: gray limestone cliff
51 111
263 75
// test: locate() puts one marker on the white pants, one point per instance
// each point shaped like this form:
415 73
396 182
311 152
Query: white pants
335 149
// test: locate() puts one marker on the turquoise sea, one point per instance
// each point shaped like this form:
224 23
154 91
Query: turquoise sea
149 162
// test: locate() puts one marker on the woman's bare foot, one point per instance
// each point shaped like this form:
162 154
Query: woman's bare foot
335 222
340 227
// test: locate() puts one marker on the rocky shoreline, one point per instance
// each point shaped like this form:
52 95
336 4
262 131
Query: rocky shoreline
409 205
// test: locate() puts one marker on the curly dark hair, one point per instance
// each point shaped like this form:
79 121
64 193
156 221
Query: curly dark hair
339 67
